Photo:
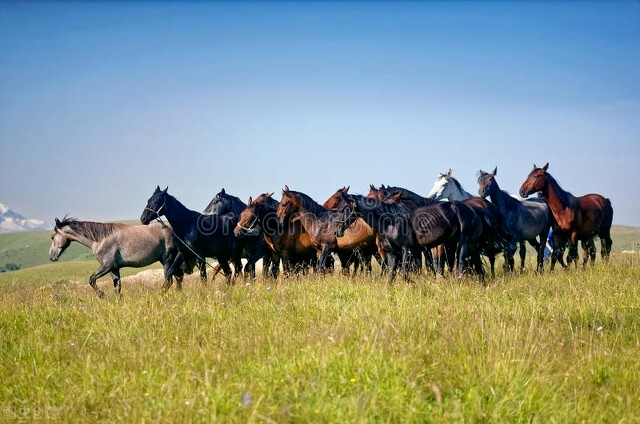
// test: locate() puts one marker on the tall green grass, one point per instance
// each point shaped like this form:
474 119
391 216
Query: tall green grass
562 347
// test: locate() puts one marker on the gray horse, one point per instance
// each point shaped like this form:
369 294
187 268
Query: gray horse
118 245
521 219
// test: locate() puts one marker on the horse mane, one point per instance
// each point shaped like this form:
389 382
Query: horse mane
311 205
236 203
457 184
94 231
407 194
267 201
565 197
382 208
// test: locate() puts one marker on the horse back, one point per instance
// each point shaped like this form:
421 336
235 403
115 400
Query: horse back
437 223
596 213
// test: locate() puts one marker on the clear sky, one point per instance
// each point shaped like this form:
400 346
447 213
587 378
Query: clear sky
101 102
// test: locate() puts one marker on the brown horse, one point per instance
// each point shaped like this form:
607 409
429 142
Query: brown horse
288 241
319 222
358 241
576 218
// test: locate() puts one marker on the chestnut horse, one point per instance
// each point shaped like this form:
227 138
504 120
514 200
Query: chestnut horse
359 238
318 221
576 218
288 241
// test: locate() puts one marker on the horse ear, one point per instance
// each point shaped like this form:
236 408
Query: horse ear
449 173
372 187
382 187
157 189
57 222
544 168
495 171
286 188
270 194
347 189
534 167
250 201
165 190
222 190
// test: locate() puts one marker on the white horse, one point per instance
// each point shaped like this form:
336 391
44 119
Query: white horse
447 187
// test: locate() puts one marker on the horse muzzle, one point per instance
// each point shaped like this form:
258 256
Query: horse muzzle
54 255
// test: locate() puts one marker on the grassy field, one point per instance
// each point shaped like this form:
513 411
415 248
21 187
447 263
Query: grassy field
562 348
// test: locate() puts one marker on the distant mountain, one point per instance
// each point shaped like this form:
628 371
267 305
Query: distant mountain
12 222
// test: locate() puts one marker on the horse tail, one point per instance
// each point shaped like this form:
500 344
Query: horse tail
608 213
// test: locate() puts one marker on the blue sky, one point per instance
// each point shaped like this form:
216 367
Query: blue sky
101 102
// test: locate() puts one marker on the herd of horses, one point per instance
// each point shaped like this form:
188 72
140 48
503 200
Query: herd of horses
450 229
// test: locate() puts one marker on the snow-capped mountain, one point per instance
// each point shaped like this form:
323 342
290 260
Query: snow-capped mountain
11 222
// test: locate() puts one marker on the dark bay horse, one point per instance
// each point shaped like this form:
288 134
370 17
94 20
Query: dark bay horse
576 218
359 238
251 246
318 222
287 240
204 236
521 219
117 246
403 231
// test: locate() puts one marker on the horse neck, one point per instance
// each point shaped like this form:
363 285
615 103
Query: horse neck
556 197
373 216
83 235
498 197
458 193
178 215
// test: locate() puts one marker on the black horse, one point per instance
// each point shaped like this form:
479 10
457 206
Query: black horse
403 231
203 236
252 245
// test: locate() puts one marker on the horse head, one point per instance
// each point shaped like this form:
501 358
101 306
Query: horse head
59 240
155 206
485 181
333 201
441 187
536 181
288 205
347 209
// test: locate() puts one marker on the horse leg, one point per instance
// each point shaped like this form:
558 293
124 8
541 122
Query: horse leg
540 251
523 255
101 272
115 275
450 250
202 266
492 261
477 264
391 266
226 269
322 260
605 243
405 263
463 253
173 269
428 260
